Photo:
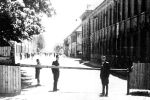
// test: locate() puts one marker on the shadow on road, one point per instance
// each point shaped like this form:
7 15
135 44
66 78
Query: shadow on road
140 93
26 81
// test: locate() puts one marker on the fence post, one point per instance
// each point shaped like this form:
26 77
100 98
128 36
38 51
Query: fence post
128 79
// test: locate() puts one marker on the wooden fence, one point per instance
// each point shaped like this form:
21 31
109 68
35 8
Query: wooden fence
5 51
140 76
10 80
5 55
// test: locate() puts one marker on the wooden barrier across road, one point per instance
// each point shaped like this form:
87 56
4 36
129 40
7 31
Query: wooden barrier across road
65 67
79 68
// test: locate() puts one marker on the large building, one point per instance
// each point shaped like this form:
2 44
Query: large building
117 28
86 47
73 43
120 30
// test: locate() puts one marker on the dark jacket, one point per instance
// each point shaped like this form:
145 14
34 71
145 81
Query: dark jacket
55 63
105 70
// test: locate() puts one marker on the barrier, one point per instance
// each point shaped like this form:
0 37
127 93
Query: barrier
64 67
79 68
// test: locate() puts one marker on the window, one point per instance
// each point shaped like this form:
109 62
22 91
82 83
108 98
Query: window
118 10
129 8
114 13
103 18
107 16
123 9
110 16
99 18
136 7
143 5
96 23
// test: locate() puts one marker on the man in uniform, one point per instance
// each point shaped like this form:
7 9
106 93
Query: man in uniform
104 75
37 72
55 72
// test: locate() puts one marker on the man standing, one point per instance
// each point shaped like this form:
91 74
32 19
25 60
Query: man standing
55 72
104 75
37 72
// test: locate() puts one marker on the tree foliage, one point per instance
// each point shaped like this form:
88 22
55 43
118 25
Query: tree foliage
40 43
58 48
21 20
40 6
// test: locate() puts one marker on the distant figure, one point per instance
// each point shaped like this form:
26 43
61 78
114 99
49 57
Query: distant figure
57 56
37 72
104 75
55 72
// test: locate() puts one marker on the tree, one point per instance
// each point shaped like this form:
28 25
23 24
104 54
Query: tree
40 6
21 20
40 43
58 48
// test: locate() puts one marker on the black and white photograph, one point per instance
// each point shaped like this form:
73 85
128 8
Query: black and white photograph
74 49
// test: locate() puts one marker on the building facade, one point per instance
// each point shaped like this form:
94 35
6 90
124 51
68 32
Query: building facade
117 28
86 42
73 43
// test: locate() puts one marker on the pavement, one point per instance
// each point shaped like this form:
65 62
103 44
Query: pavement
73 84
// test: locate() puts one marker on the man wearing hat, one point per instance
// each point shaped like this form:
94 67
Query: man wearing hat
104 75
55 72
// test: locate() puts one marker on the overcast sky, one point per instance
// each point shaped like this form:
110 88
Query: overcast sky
67 18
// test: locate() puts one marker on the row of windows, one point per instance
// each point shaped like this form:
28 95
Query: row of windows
116 12
133 40
119 11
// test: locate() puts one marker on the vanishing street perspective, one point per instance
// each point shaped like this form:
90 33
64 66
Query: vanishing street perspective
75 50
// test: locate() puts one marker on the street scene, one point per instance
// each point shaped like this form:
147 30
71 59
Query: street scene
74 49
73 84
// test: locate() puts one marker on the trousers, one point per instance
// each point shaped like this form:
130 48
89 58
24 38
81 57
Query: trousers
55 77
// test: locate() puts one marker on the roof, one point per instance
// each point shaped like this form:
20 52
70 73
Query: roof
85 14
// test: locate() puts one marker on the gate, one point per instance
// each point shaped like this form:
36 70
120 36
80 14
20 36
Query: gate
137 78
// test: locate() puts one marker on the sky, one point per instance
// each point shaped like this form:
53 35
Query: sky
67 18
